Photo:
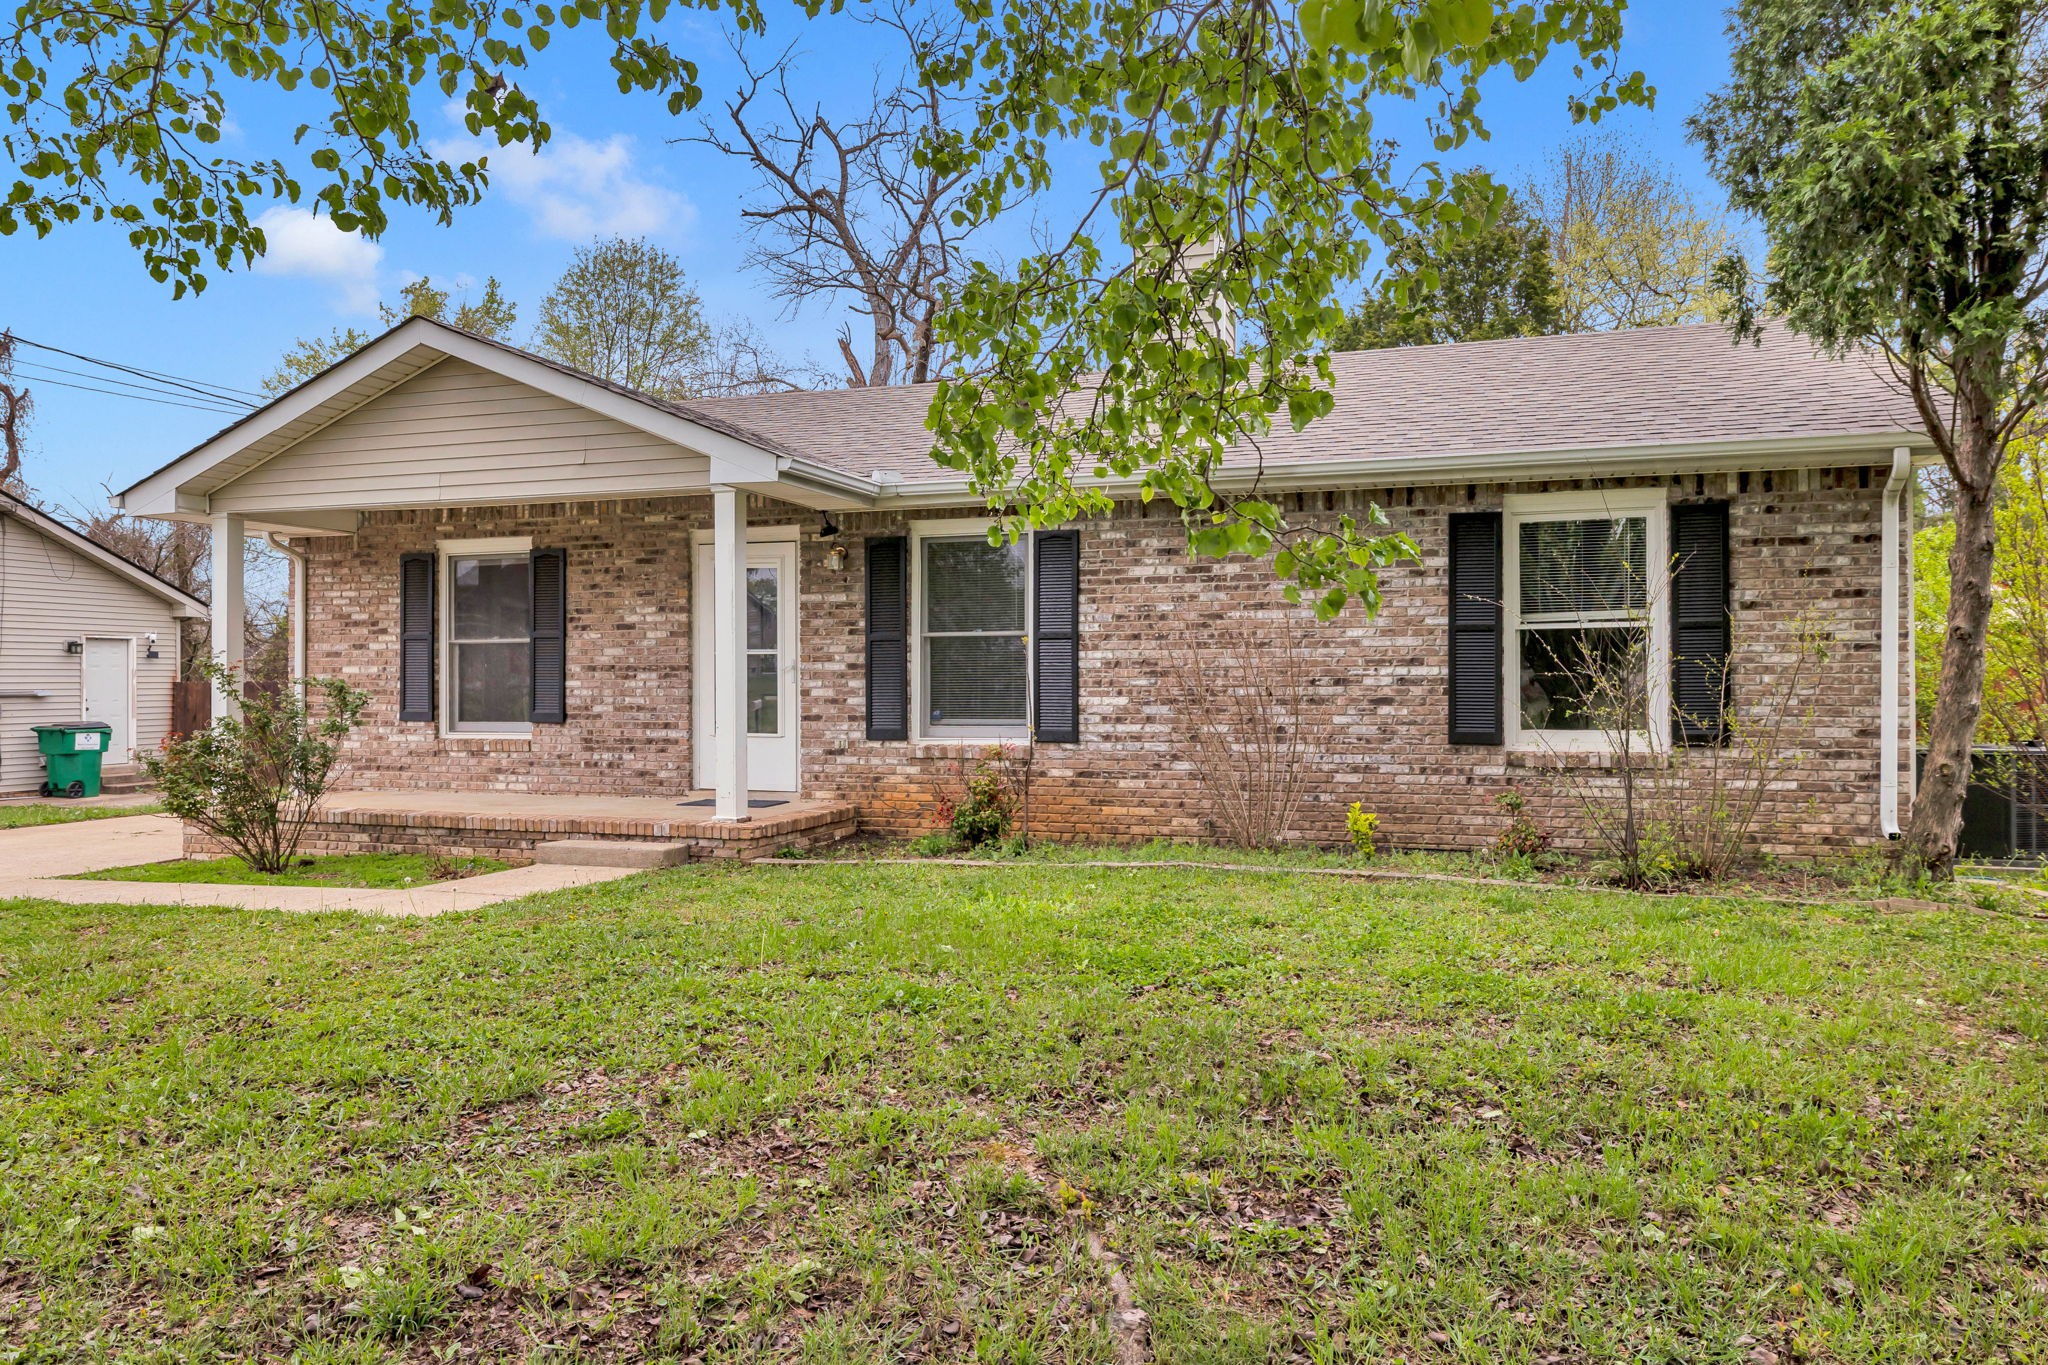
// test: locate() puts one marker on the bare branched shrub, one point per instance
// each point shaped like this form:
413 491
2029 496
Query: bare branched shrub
1612 788
1715 798
1655 812
1240 696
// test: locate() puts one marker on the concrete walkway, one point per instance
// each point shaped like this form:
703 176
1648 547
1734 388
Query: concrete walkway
32 861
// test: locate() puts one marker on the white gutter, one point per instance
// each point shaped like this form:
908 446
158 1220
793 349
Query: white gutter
1888 647
297 607
1383 471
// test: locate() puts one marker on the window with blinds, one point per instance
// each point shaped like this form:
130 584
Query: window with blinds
973 631
490 607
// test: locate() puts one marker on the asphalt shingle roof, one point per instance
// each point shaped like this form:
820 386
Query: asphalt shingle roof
1649 386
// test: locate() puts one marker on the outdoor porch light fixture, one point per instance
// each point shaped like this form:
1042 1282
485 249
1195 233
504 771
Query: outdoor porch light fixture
74 646
828 529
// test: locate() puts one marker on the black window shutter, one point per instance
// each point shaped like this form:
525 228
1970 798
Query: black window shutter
1699 623
549 650
888 638
1475 574
1056 637
416 647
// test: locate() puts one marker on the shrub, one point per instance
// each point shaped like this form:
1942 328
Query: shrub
1241 691
254 781
1363 826
1523 839
982 815
1654 813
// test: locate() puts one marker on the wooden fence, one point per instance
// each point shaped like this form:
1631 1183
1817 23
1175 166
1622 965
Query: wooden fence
192 702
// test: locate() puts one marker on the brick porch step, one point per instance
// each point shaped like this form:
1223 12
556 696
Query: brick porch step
612 853
516 825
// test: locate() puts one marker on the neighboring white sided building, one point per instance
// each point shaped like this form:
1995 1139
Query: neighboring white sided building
84 635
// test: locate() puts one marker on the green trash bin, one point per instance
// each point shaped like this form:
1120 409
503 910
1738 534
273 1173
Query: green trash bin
71 756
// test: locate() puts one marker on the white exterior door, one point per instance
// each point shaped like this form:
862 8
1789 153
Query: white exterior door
110 693
771 643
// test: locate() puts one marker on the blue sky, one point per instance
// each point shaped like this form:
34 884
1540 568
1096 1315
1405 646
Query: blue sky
610 168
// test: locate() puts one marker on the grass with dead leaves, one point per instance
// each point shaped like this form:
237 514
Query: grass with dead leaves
1026 1114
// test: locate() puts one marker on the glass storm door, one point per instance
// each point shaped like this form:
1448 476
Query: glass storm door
770 644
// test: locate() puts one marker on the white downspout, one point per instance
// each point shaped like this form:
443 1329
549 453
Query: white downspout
298 602
1912 517
1888 645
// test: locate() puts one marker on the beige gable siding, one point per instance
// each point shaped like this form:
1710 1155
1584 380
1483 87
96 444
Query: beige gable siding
49 593
461 434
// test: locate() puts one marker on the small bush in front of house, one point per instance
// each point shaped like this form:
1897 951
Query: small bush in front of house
254 780
982 815
1364 827
1523 841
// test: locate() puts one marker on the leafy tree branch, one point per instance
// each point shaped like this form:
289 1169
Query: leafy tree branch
1242 183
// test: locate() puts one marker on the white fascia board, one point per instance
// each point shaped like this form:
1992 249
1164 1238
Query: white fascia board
1688 457
164 491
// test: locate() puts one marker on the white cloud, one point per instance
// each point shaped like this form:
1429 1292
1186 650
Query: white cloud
298 242
577 189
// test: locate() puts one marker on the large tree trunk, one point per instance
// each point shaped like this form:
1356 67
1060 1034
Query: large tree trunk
1936 826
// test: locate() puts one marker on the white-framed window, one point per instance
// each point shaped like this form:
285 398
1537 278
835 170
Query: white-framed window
1586 618
487 636
971 614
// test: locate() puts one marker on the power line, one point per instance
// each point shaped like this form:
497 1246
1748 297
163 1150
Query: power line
220 392
207 388
42 374
36 368
164 402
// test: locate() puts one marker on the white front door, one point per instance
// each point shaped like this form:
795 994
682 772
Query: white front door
109 692
771 667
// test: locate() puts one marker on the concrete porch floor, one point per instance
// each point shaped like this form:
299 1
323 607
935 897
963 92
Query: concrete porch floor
502 823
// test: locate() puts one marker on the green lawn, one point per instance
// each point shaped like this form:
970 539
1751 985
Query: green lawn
17 815
840 1113
367 870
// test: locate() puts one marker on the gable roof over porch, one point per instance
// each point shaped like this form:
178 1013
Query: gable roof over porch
429 416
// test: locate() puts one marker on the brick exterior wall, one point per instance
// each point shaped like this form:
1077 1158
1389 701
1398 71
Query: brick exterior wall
1800 542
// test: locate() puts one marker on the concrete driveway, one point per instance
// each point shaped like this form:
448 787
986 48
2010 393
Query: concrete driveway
34 858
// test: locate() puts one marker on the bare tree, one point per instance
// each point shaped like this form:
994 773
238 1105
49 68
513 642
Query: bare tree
15 405
181 554
845 210
738 360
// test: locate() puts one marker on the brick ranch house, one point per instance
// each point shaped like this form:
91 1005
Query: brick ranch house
568 600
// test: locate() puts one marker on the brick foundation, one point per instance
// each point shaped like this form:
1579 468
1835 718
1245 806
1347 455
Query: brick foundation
512 838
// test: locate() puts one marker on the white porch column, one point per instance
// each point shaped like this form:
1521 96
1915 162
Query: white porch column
228 534
729 649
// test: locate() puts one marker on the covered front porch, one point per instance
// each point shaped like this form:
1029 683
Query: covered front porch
517 826
433 493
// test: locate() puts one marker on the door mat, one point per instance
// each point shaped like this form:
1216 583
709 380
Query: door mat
755 803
